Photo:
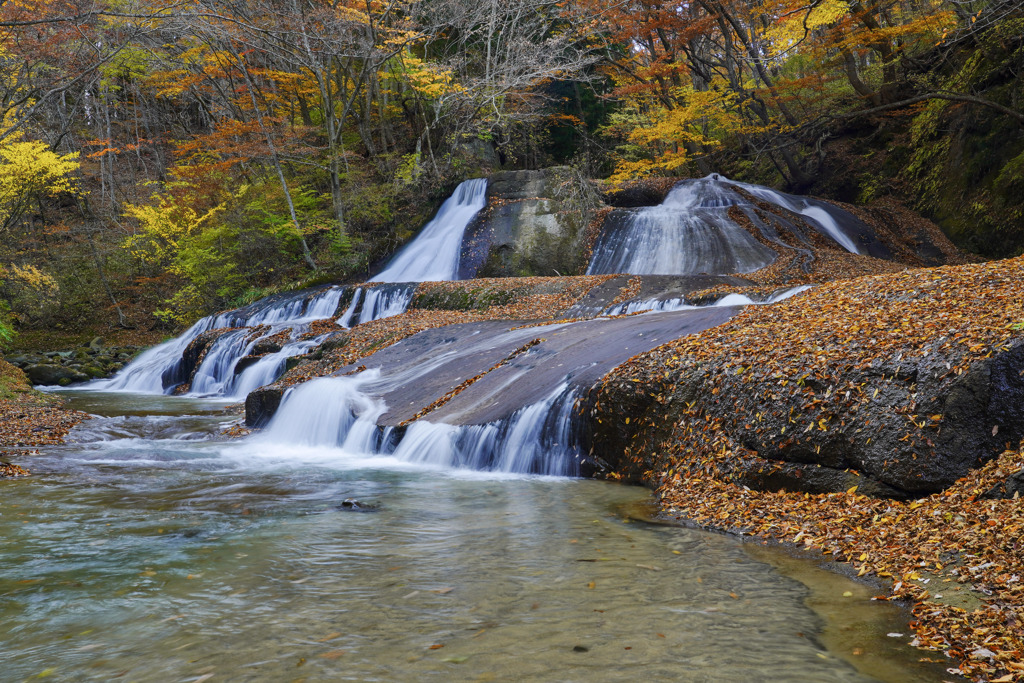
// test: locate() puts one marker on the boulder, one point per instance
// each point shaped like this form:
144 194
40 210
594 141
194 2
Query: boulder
48 374
265 346
535 223
245 362
260 405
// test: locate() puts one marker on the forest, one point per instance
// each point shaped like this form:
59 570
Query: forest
163 161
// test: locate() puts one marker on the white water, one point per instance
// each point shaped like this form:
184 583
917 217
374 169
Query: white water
656 305
339 413
154 372
691 232
375 303
434 254
814 213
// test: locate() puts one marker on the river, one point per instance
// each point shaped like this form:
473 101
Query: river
151 548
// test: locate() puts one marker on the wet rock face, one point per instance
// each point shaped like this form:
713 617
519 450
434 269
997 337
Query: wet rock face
260 405
891 446
534 224
180 375
62 368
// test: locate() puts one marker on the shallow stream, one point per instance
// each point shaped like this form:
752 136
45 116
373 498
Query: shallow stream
153 550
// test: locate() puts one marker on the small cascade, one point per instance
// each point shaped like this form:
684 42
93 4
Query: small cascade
374 303
162 369
434 254
335 412
692 232
328 411
820 214
655 305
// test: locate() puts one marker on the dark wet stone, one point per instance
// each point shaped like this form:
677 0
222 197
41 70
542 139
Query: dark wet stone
1013 487
260 405
353 505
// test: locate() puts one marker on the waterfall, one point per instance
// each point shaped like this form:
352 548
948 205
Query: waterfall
434 254
376 302
335 412
691 231
162 369
821 215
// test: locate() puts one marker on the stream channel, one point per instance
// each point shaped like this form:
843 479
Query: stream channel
149 548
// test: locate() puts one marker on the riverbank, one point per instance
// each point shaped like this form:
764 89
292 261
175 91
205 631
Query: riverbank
28 419
738 426
956 555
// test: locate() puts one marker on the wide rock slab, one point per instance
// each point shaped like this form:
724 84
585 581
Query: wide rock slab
479 373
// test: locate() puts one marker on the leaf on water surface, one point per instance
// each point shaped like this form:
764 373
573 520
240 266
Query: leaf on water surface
455 660
332 654
436 646
591 585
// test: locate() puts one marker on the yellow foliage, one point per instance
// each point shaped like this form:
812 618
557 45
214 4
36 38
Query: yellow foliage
31 277
701 120
795 25
165 227
28 169
427 79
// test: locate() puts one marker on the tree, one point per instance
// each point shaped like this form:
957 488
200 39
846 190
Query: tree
29 171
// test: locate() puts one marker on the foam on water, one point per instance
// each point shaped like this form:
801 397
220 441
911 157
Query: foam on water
338 413
656 305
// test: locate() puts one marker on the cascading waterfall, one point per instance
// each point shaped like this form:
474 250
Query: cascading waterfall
691 231
434 254
335 412
162 369
820 214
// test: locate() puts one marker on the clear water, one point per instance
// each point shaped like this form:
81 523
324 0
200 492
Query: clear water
151 550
